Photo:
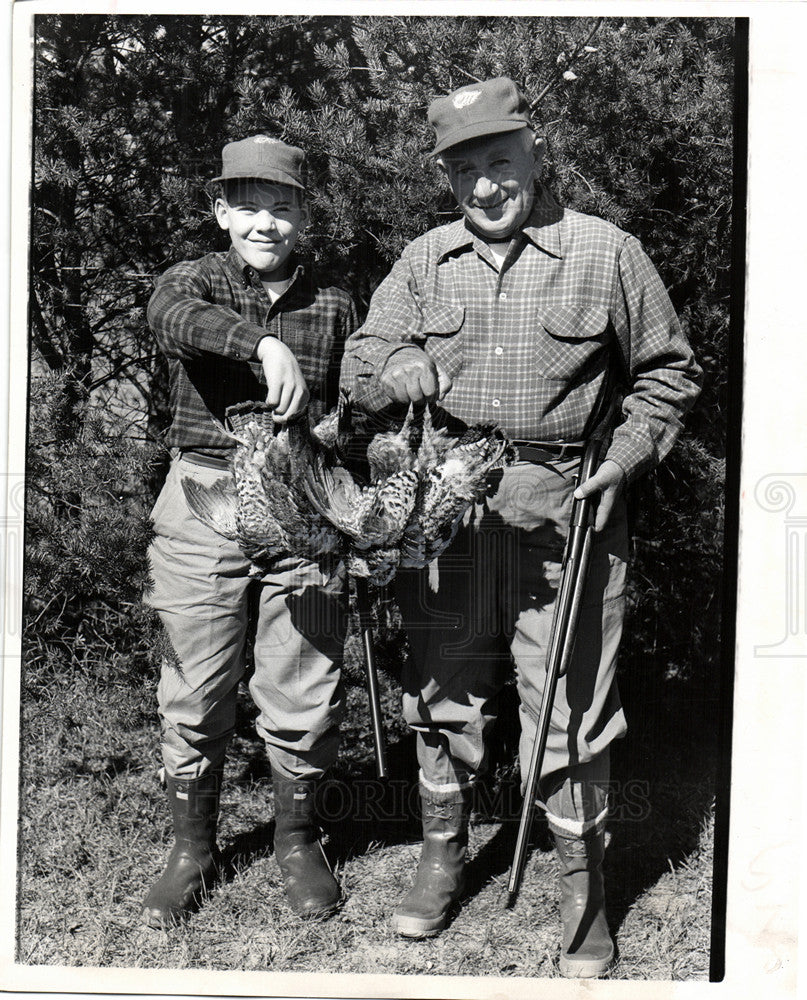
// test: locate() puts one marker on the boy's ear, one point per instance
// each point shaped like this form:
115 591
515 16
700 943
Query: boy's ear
220 211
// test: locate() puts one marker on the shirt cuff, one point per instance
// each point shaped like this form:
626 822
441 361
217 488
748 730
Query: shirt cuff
242 341
260 337
396 349
628 457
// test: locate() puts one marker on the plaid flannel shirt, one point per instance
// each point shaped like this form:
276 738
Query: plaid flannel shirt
530 347
208 316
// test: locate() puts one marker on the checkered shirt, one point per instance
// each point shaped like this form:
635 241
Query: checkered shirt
530 346
208 316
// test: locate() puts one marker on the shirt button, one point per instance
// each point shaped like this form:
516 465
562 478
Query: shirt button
503 296
496 402
499 350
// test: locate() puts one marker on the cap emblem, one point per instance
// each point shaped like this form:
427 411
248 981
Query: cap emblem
466 98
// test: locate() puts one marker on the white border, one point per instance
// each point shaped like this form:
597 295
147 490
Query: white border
771 695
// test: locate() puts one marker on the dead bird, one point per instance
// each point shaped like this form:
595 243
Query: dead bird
453 475
393 451
291 490
419 491
263 506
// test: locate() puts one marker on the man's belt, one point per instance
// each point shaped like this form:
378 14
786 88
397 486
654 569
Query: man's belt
528 451
548 451
208 461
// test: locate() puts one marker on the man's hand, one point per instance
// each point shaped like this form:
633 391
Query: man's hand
609 481
286 390
410 376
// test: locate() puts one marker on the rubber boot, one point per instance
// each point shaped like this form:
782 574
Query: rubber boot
311 889
587 949
440 877
193 864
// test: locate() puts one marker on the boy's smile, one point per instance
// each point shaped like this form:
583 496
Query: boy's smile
264 219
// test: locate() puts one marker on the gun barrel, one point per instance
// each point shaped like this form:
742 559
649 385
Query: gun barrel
567 611
371 673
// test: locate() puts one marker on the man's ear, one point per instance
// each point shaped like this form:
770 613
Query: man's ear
440 163
538 150
220 211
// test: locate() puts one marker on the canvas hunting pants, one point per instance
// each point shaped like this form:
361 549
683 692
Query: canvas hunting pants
492 608
203 596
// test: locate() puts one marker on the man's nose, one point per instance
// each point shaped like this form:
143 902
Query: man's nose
485 189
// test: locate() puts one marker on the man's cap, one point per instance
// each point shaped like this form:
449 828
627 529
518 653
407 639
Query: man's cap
260 157
478 109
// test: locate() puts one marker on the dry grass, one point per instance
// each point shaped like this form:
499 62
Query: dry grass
95 832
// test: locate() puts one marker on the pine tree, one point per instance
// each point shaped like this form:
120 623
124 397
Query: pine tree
131 113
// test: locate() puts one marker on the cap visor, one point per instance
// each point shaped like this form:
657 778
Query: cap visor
474 131
275 176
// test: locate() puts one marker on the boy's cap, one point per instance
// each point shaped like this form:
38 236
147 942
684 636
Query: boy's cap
478 109
263 158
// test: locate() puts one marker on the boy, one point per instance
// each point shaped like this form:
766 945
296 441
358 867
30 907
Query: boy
249 324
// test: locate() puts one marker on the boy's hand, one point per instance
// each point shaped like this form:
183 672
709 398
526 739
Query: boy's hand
410 376
609 481
286 390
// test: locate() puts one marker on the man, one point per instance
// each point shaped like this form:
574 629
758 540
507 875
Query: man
527 315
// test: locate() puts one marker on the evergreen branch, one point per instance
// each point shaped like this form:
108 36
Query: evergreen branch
59 499
45 608
465 72
582 178
111 376
575 53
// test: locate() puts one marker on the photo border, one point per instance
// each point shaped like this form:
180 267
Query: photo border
769 691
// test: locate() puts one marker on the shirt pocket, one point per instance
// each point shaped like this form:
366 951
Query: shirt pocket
569 337
442 334
442 319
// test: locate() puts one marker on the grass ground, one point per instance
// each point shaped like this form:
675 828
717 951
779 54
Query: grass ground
94 833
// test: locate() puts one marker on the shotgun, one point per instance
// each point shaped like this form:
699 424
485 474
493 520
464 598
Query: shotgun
564 627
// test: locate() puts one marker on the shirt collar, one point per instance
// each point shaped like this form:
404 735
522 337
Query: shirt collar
247 275
542 227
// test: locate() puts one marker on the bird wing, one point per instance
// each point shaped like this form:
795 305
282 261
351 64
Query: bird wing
438 511
333 494
215 505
